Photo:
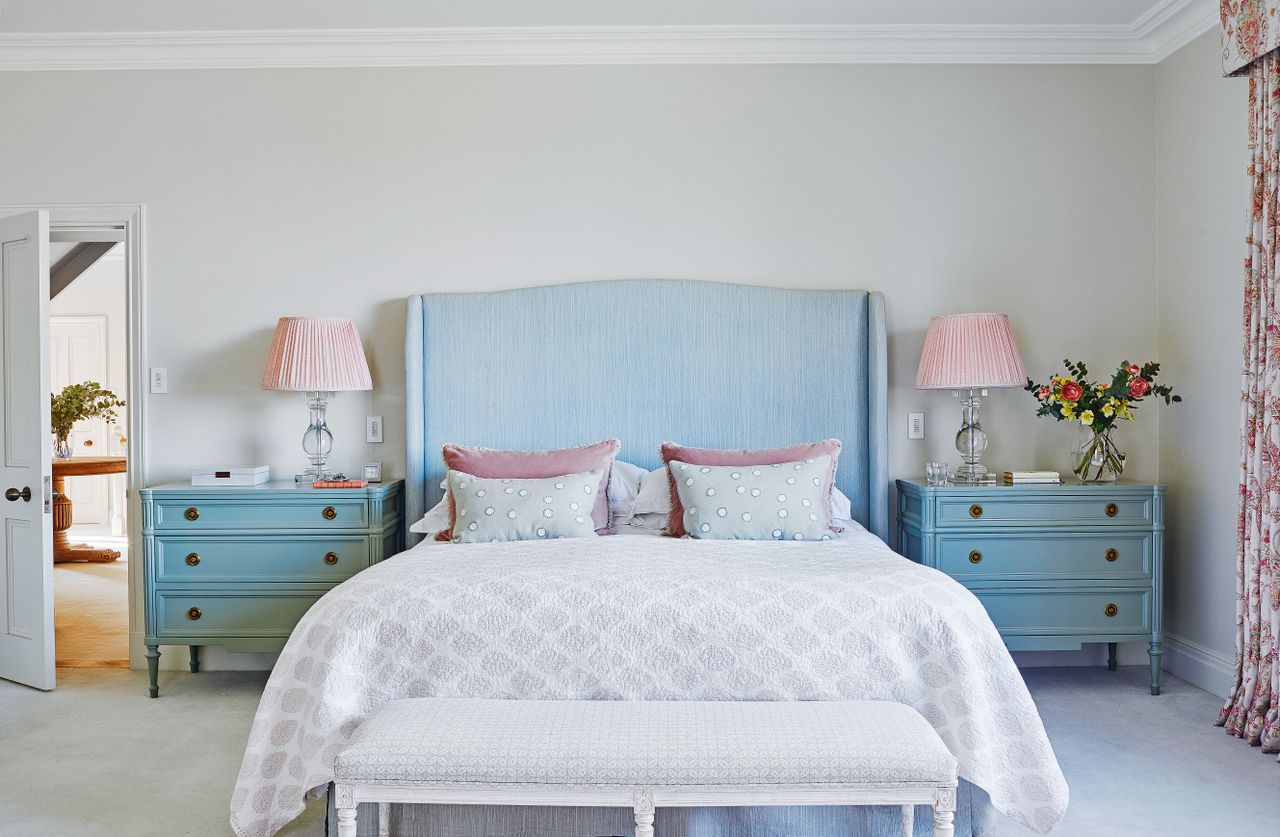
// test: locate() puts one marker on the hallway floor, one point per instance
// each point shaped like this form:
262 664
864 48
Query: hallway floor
91 606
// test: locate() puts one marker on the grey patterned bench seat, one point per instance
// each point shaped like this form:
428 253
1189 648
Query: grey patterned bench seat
645 754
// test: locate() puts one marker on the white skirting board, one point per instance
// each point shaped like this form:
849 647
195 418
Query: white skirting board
1203 667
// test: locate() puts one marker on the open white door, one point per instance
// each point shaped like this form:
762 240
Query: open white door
26 539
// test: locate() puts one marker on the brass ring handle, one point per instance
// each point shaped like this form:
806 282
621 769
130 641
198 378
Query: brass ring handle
975 511
330 513
1110 609
192 513
193 559
1112 554
1112 510
331 558
193 614
975 557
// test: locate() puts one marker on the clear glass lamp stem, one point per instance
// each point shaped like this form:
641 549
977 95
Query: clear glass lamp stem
971 441
317 442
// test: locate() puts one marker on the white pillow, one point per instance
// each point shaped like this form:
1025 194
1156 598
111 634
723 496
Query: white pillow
523 509
624 487
436 520
654 496
782 501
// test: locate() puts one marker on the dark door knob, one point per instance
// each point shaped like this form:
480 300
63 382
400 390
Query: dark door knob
13 494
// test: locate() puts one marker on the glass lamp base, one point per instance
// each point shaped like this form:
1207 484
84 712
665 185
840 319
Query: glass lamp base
309 476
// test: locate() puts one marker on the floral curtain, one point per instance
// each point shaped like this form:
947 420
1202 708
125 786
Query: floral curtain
1250 29
1253 710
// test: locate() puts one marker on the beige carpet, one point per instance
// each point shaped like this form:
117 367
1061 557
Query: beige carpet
91 608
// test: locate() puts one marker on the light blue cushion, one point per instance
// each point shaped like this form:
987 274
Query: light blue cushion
754 502
523 509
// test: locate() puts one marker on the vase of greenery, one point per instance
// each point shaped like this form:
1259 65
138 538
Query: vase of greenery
1096 407
78 402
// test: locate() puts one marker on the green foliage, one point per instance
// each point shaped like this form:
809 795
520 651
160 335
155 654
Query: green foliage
78 402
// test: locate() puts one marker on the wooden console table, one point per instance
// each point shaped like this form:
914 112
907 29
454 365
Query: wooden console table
88 466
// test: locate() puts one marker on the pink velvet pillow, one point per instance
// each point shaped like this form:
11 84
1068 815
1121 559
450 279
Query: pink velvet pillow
770 456
535 464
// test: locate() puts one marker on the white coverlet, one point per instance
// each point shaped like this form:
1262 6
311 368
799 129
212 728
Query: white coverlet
648 619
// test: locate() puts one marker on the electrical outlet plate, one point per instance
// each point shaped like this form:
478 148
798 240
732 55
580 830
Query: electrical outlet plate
159 380
373 429
915 425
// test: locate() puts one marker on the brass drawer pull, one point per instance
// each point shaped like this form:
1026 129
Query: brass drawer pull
1110 609
975 557
193 614
1112 510
330 513
975 511
193 559
1112 554
192 513
331 558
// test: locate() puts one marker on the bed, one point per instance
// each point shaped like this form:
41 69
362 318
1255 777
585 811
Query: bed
707 364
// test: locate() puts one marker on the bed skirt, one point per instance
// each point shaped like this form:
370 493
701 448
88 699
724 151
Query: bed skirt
973 812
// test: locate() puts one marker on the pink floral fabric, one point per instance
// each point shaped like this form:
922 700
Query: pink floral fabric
1253 710
1250 30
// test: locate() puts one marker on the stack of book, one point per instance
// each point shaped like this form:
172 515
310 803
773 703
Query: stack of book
1032 478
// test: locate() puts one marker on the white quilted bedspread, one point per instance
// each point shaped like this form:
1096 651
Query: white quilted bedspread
642 618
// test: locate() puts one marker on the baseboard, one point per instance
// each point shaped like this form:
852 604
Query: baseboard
1202 667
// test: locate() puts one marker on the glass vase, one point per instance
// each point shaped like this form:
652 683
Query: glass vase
1097 459
61 447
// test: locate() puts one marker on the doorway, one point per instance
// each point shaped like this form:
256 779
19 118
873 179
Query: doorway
88 352
39 328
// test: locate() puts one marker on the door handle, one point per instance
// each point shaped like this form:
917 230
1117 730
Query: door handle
13 494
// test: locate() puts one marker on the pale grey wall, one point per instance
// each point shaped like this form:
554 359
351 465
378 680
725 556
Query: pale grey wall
1201 200
1024 189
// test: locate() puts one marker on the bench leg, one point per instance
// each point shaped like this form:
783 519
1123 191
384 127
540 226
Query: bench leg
944 812
384 819
344 804
644 814
908 820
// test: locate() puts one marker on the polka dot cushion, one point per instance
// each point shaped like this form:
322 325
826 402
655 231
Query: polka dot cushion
785 501
523 509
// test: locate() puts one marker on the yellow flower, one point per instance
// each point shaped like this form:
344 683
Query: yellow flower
1101 387
1069 412
1086 418
1108 410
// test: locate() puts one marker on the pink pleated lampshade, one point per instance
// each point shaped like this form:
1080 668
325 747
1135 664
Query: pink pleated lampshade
970 351
315 354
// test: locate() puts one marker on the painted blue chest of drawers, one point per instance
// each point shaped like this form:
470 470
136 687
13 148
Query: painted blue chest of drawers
1056 566
238 567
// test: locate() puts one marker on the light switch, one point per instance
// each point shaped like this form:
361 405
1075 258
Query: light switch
373 429
159 380
915 425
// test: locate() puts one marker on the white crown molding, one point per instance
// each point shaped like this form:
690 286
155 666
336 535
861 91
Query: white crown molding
1156 34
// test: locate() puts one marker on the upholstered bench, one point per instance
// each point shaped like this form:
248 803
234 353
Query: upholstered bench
645 754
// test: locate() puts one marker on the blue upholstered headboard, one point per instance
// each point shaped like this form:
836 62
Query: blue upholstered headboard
701 363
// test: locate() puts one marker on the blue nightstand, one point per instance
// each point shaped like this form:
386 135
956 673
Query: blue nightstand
1055 566
238 567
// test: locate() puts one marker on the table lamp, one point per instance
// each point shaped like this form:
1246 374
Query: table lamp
319 357
970 353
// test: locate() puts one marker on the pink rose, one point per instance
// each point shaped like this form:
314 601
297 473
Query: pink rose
1133 369
1071 390
1044 393
1138 387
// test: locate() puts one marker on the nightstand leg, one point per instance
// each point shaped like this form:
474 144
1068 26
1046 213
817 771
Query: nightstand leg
1156 651
1111 656
195 658
153 670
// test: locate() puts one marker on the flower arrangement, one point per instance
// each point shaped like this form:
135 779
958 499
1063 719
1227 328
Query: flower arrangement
1097 407
75 403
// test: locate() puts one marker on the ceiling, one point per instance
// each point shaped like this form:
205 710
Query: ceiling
168 15
168 34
